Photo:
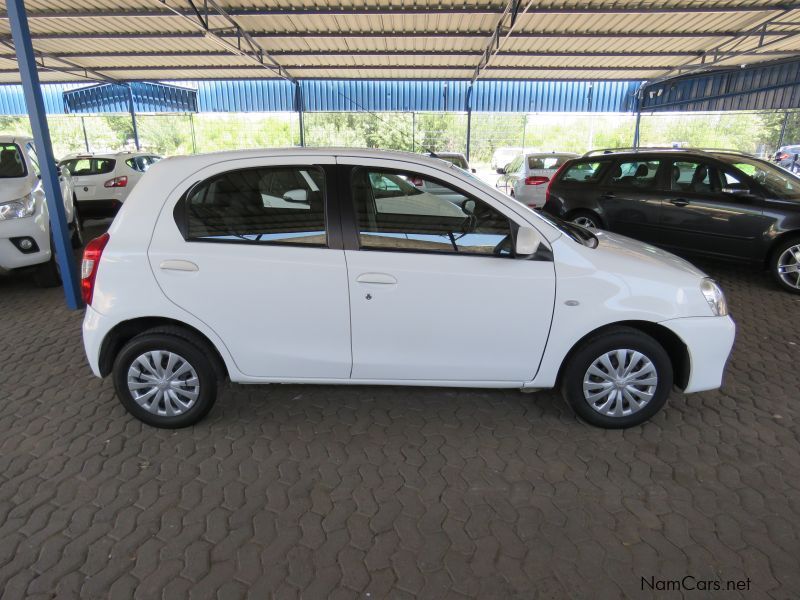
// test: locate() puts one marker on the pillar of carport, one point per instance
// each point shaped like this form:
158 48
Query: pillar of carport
41 134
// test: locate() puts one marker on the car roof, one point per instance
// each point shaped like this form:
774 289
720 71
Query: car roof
553 153
713 152
106 154
15 139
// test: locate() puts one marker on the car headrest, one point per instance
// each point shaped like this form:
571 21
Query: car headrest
676 173
700 174
641 171
617 172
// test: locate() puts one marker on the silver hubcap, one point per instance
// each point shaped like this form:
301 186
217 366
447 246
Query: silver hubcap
789 266
620 383
585 222
163 383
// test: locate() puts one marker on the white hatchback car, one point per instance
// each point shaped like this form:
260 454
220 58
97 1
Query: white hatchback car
102 182
202 277
24 217
527 176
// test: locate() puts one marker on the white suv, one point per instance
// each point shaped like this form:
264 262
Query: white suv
102 182
306 266
24 218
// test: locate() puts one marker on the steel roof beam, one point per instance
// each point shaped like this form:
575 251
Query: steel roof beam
68 67
405 34
496 9
244 45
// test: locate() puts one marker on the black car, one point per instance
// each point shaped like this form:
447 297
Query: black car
714 203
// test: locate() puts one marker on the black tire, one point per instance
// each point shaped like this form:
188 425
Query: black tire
580 217
170 340
618 338
77 228
775 260
47 275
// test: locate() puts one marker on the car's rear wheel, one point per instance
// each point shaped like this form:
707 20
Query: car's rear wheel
586 218
165 380
785 265
618 379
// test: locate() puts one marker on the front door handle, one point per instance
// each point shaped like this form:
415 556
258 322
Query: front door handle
679 202
379 278
178 265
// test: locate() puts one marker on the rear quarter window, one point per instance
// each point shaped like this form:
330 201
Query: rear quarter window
584 172
89 166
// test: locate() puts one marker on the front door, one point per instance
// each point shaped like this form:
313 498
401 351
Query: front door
248 253
711 211
435 292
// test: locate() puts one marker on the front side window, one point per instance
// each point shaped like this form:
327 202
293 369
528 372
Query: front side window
634 174
11 163
264 205
584 172
515 165
408 212
778 183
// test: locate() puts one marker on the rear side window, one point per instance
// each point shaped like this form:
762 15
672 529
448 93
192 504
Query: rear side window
634 174
265 205
89 166
11 163
138 163
584 172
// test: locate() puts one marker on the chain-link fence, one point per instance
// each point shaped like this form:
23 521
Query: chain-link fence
169 134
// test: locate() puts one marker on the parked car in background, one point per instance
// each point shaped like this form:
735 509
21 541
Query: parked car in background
528 175
102 182
785 157
361 279
456 158
714 203
25 240
503 156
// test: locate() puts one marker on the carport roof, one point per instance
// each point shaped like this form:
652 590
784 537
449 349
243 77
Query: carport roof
379 39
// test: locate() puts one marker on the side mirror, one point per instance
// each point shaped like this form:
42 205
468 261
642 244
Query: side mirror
469 206
299 196
527 242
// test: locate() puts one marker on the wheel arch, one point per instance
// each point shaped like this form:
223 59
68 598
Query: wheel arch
590 211
124 331
674 346
773 247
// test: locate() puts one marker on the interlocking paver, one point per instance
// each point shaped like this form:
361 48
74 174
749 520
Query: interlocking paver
343 492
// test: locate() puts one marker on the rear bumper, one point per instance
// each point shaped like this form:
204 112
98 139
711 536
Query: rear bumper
94 331
709 341
98 208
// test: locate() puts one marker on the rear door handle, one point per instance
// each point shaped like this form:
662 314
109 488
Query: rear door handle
679 202
379 278
178 265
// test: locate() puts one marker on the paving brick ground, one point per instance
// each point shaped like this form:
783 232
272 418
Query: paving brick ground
317 492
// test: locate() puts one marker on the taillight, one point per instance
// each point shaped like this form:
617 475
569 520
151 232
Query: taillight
91 260
536 180
550 184
416 181
117 182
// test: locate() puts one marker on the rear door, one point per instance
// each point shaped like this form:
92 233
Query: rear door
253 252
435 293
631 195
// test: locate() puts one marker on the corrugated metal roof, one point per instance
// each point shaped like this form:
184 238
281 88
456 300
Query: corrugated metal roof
386 39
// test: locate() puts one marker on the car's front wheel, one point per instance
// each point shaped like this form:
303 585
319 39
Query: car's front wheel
620 378
165 380
785 265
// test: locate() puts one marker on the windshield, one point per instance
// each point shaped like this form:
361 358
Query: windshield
777 182
11 163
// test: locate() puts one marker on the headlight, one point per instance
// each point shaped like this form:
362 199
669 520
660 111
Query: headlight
16 209
714 296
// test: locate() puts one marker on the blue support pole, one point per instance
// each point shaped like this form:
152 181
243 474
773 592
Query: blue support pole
469 119
639 95
59 229
132 109
298 101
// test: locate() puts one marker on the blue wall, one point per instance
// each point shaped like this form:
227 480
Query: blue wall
271 95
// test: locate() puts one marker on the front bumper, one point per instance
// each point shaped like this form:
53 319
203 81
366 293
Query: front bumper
709 341
34 227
